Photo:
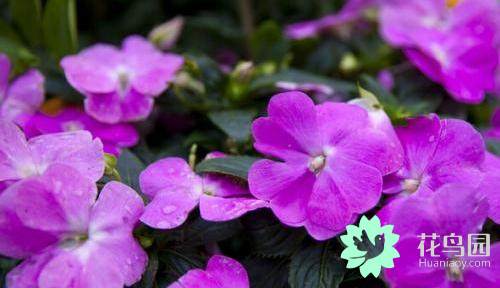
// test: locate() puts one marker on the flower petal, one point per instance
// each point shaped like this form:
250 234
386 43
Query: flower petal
215 208
76 148
228 271
118 206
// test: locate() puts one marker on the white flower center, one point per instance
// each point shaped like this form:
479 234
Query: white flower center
317 164
454 272
411 185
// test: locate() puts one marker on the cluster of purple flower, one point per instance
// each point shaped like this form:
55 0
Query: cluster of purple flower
331 162
454 43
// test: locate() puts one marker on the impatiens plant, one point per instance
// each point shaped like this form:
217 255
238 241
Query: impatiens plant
266 144
175 190
120 85
332 165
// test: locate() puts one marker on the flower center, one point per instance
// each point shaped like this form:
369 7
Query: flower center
72 126
454 271
411 185
123 81
317 164
74 240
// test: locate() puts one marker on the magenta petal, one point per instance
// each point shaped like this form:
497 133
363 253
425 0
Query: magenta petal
489 187
24 96
156 73
118 206
287 188
26 274
17 240
295 113
169 208
170 174
91 70
459 144
63 268
267 178
227 272
4 75
328 211
429 66
373 148
214 208
15 156
360 184
126 254
419 139
104 107
407 273
101 271
75 148
136 106
59 200
196 278
484 276
339 120
272 140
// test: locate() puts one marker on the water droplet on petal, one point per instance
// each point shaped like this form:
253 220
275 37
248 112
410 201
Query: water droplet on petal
169 209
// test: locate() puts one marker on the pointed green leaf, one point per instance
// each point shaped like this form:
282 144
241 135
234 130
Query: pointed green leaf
236 166
27 14
235 123
59 27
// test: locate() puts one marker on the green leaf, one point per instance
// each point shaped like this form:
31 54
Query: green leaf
20 57
236 166
59 27
316 267
27 14
130 166
267 272
235 123
7 32
268 44
269 238
200 232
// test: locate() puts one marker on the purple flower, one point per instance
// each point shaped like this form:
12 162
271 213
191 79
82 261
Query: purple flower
221 272
452 210
21 98
494 132
332 164
386 79
20 159
437 152
65 236
320 92
120 85
489 186
175 190
113 136
350 12
453 45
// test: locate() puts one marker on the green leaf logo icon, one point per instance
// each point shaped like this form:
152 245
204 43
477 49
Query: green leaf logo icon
369 246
